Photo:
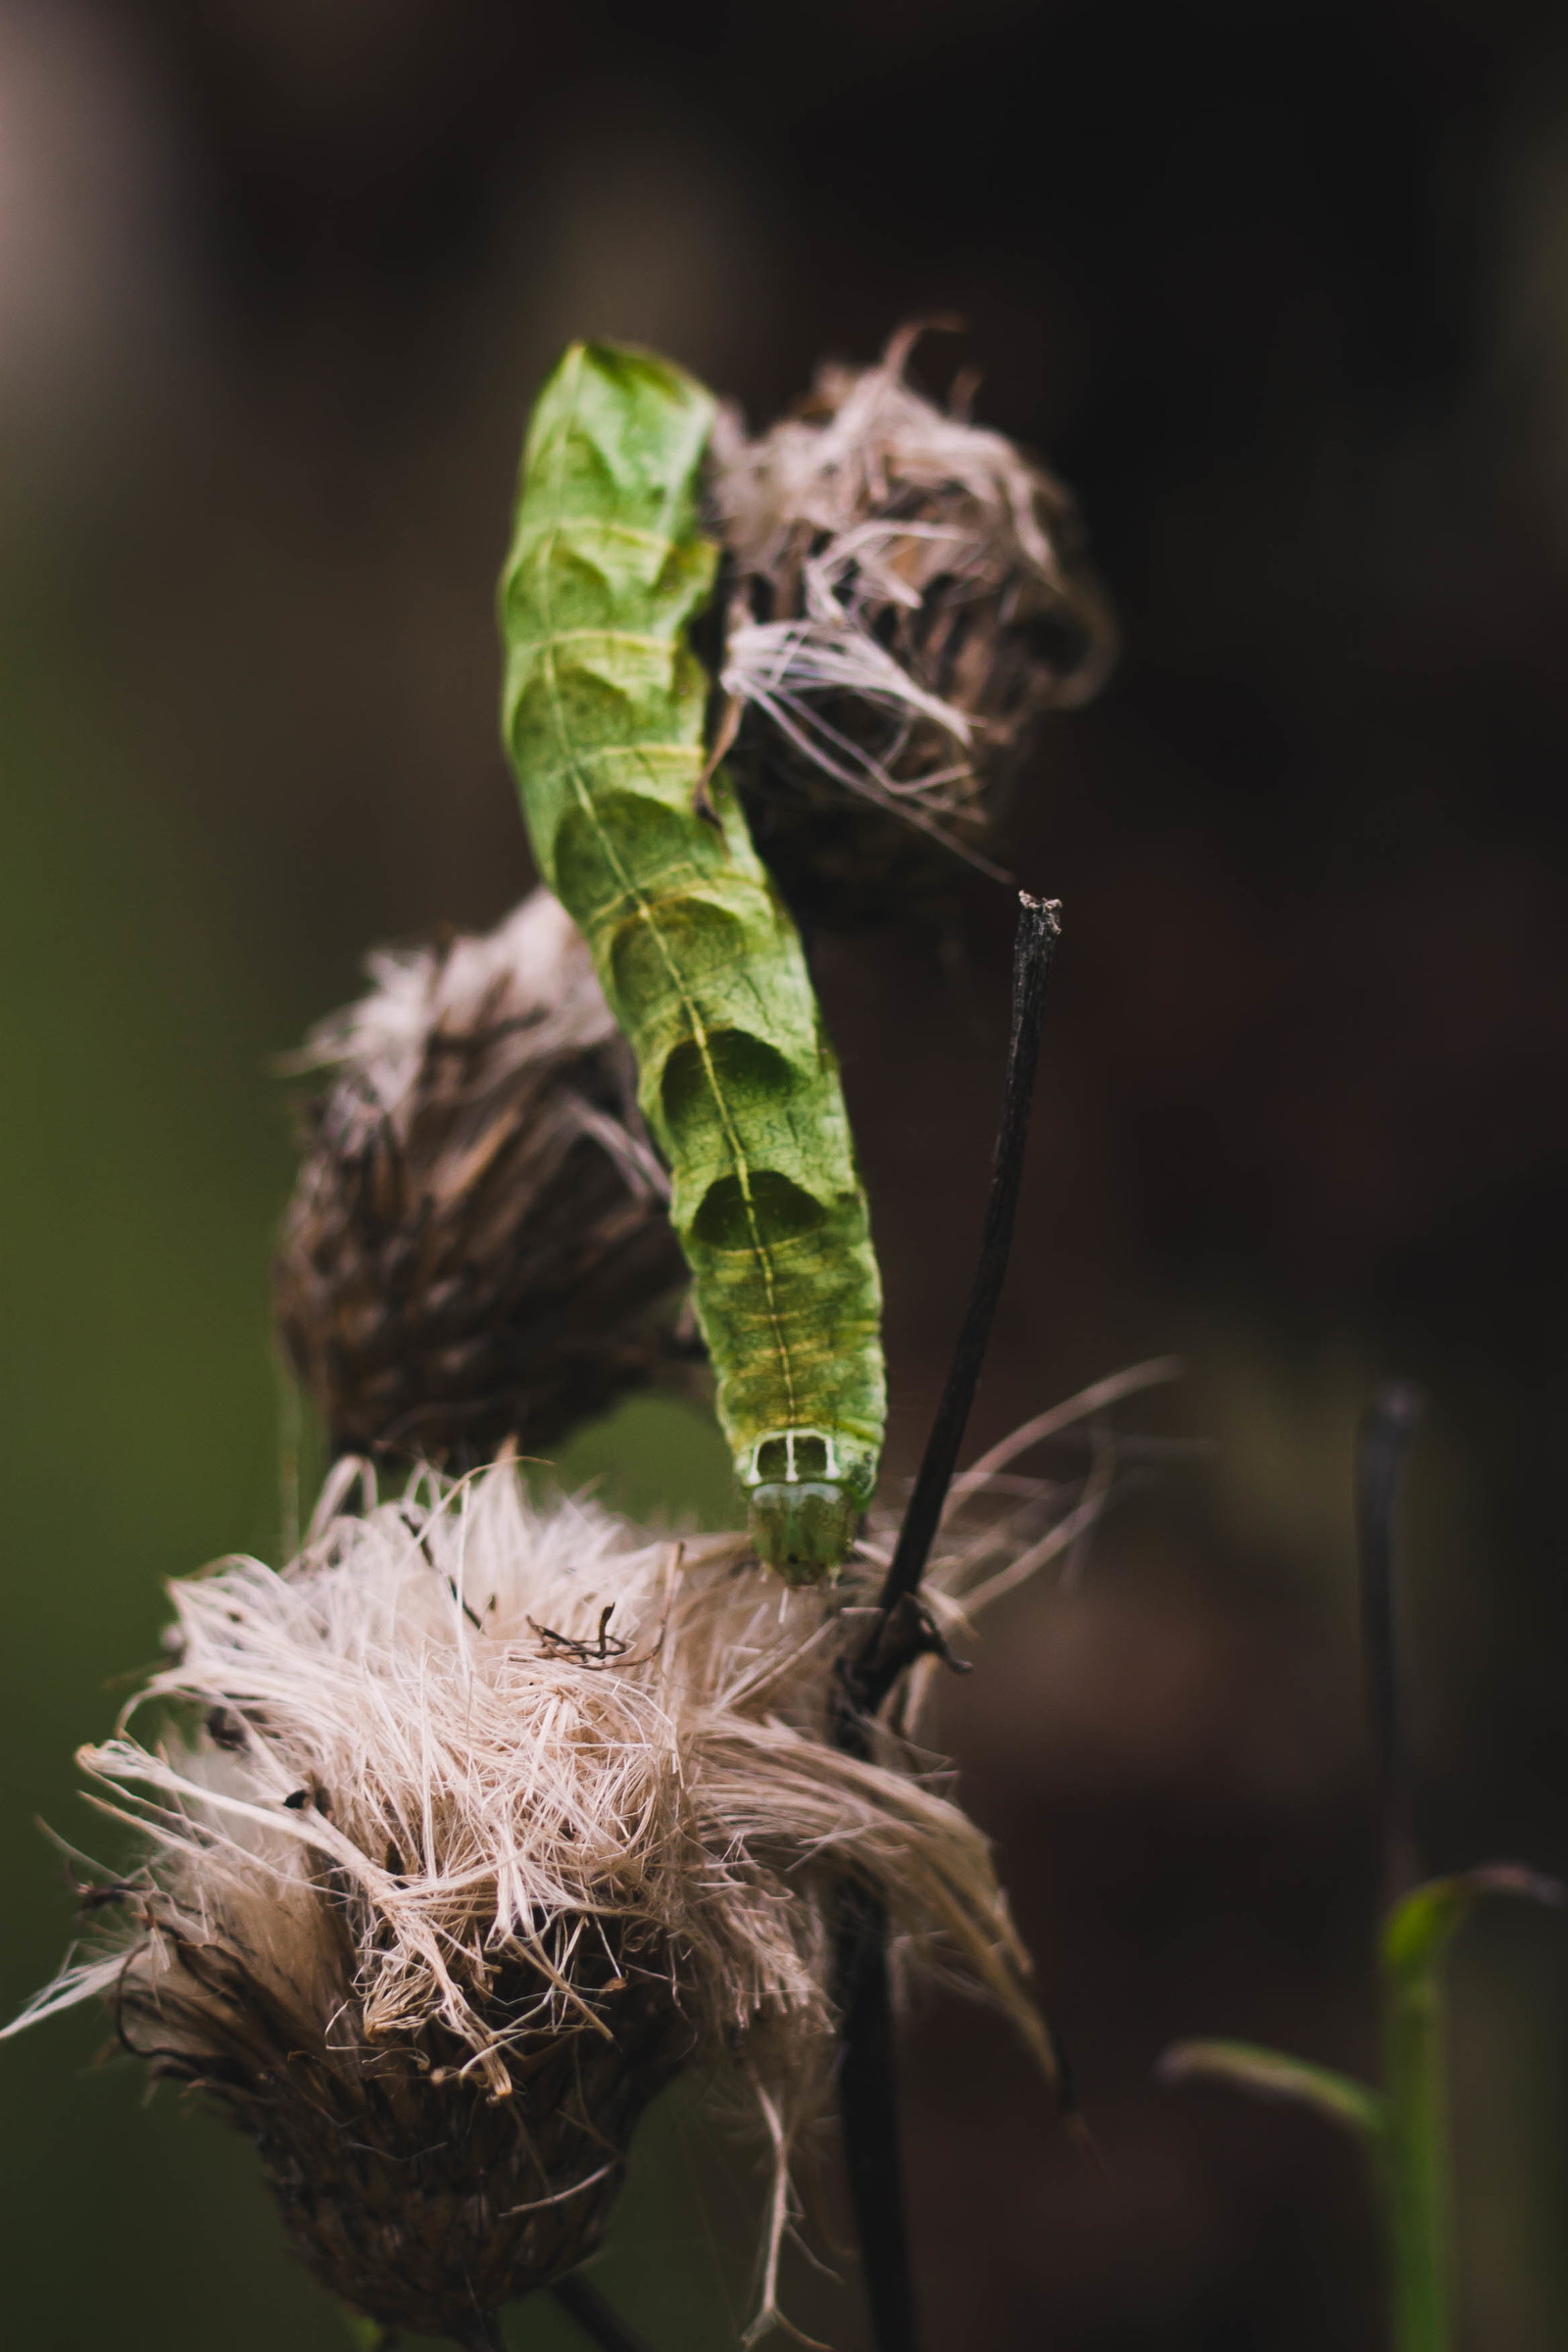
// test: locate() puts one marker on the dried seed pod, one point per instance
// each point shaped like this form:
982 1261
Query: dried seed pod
487 1817
408 2189
910 600
477 1249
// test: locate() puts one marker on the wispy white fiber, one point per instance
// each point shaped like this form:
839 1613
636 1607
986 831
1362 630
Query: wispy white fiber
852 514
527 988
475 1778
496 1732
477 1247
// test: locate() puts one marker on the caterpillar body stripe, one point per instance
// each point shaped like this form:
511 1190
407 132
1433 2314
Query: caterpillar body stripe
604 712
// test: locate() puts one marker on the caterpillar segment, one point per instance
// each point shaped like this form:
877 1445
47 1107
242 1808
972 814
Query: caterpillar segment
603 714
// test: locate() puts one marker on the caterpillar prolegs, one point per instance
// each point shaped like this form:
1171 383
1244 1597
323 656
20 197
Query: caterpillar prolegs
604 710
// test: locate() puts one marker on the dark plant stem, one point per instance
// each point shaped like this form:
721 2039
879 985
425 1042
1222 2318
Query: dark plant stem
1386 1430
868 2105
866 2079
1415 2158
1034 942
598 2320
1404 2124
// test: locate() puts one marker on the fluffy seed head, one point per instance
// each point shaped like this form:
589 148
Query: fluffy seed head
910 600
477 1247
466 1830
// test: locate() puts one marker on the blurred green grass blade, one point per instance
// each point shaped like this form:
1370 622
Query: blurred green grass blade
1272 2075
1418 2172
1418 1930
1417 2166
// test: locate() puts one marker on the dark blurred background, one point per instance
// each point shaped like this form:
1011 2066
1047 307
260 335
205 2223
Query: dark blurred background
1283 291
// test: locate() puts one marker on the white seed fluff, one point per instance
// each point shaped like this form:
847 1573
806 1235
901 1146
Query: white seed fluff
476 1780
510 1727
873 504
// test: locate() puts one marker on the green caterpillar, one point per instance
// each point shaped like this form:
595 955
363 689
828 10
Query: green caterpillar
603 709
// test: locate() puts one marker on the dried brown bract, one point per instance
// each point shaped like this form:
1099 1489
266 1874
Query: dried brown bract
477 1249
910 599
484 1818
407 2188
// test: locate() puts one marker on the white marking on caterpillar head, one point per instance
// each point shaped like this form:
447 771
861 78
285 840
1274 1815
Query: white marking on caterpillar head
788 1456
805 1493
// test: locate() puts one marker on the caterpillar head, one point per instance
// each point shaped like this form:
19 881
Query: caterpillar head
806 1493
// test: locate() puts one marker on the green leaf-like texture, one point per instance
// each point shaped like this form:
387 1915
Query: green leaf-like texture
603 709
1272 2075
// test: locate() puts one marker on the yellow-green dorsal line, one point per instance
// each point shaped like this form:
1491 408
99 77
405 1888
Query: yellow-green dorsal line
604 710
647 913
554 639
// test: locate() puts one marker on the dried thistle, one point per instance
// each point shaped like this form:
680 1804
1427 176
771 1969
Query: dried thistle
910 599
484 1818
477 1249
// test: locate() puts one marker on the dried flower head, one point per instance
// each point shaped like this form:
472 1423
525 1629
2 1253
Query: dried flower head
477 1249
910 599
470 1828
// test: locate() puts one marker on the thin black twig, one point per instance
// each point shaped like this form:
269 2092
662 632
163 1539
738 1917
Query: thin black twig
867 2088
1039 929
1383 1444
598 2320
900 1632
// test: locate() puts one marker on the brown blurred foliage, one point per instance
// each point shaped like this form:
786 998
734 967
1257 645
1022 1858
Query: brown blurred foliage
1283 294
